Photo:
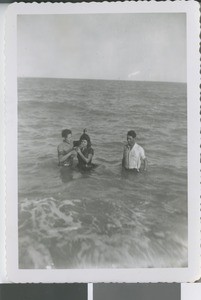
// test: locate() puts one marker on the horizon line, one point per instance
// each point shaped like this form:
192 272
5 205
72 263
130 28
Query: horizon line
102 79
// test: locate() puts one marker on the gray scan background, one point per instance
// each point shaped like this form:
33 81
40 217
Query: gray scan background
100 291
50 291
79 291
152 291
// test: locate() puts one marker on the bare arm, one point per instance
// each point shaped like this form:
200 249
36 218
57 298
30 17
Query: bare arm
87 160
125 156
62 157
145 164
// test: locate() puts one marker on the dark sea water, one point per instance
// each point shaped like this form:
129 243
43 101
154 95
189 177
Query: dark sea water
105 218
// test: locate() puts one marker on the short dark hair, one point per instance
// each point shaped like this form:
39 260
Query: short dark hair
131 133
65 133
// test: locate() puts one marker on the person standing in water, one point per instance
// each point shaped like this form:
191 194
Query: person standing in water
133 154
66 152
85 152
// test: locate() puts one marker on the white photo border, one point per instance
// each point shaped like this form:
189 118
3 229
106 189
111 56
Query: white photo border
189 274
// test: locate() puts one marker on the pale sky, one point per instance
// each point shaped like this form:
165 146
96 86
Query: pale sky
103 46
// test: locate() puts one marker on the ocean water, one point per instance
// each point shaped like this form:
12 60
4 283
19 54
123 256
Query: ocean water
104 218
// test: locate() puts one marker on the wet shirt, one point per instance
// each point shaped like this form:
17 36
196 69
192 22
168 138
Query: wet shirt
62 150
85 152
133 157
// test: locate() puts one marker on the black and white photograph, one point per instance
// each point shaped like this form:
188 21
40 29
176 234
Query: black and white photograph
102 149
102 139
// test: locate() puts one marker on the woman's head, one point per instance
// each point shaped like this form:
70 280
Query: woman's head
85 139
83 143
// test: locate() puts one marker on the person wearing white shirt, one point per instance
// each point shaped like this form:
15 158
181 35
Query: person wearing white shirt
133 154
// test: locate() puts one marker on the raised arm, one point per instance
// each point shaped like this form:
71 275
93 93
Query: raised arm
87 160
63 157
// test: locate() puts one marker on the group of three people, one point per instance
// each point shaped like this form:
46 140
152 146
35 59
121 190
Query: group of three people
133 154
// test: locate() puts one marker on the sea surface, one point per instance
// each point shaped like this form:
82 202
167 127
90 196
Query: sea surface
105 218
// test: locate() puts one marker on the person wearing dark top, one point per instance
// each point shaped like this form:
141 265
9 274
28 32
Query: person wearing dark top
85 152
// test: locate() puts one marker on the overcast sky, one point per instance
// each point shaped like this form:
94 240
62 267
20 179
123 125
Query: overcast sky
103 46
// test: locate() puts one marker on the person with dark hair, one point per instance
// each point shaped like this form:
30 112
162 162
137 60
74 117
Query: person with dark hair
85 152
133 154
66 152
